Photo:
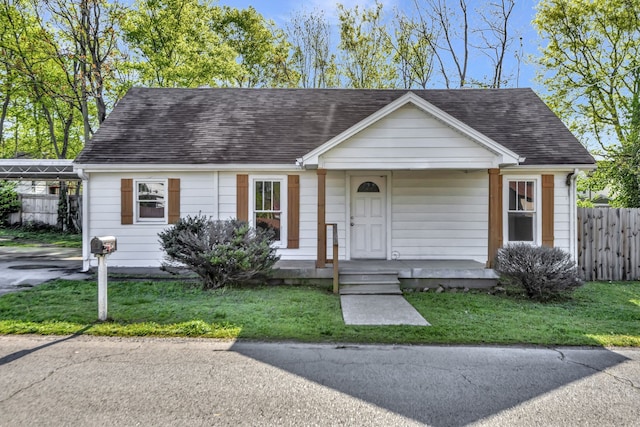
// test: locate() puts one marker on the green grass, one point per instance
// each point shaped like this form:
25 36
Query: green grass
600 314
21 237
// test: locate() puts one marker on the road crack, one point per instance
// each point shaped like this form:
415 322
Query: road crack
605 371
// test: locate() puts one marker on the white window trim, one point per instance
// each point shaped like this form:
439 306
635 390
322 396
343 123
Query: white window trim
136 202
537 236
282 243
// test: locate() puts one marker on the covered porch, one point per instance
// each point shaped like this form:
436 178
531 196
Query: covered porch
411 274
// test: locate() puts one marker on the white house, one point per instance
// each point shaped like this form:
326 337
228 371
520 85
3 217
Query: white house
420 174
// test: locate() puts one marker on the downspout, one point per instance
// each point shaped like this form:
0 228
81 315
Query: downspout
86 260
573 212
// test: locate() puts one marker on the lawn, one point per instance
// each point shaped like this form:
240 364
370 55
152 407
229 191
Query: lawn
600 314
23 237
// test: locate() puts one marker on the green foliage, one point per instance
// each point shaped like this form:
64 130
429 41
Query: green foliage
220 252
9 200
543 273
366 48
592 73
261 49
38 233
174 45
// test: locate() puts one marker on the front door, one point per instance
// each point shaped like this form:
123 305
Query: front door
368 217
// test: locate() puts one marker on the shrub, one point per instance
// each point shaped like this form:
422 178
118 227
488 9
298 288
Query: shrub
220 252
9 200
543 273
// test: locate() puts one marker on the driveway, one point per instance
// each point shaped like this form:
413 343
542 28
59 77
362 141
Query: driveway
26 267
83 380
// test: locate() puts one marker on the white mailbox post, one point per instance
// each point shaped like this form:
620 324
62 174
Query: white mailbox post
101 247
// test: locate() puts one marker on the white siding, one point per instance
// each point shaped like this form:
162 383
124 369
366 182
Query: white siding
336 209
440 215
408 139
138 243
562 212
308 219
434 214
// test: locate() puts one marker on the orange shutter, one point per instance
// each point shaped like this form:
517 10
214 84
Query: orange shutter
293 211
242 197
547 210
174 200
126 201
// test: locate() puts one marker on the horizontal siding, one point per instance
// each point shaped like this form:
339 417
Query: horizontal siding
434 214
561 221
308 219
138 243
440 215
336 210
408 138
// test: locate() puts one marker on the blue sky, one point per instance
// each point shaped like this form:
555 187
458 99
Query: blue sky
281 10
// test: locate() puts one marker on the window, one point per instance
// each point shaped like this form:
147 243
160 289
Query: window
522 211
368 187
150 200
268 206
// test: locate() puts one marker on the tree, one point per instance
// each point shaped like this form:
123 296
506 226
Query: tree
591 68
309 35
260 48
174 44
48 74
413 51
365 48
453 26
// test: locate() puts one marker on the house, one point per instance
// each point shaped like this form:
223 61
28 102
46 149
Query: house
408 175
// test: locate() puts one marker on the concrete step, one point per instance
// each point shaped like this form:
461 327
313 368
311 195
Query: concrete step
360 278
369 289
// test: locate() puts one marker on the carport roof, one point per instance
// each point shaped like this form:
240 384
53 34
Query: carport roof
37 169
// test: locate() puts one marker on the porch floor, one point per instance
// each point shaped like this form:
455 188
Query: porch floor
412 273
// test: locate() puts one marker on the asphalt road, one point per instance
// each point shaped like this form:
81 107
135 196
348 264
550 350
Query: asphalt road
108 381
26 267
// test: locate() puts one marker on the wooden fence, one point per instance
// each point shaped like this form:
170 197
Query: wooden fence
37 208
609 243
43 208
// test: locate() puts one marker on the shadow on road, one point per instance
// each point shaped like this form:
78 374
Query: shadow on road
438 386
22 353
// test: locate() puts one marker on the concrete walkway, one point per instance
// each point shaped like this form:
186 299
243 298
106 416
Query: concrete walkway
379 310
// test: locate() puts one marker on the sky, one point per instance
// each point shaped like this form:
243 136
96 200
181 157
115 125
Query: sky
280 12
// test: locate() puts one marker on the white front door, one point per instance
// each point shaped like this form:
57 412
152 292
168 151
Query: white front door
368 217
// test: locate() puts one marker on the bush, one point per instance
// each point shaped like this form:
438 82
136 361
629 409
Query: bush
220 252
543 273
9 200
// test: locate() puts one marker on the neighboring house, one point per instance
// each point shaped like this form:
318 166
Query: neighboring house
420 174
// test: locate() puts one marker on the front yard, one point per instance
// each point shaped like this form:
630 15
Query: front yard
600 314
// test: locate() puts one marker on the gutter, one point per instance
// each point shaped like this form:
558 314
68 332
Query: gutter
86 259
573 214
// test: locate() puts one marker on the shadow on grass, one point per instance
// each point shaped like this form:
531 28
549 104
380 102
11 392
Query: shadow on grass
22 353
437 386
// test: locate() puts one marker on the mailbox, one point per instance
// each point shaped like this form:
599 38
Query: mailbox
103 245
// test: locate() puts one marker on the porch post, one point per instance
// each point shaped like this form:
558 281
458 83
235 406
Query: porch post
495 215
321 260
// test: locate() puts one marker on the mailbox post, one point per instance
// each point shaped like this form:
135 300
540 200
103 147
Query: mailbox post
101 247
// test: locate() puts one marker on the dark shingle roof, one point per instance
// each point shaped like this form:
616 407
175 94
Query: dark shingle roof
277 126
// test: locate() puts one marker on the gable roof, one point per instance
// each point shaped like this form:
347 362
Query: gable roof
410 98
277 126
